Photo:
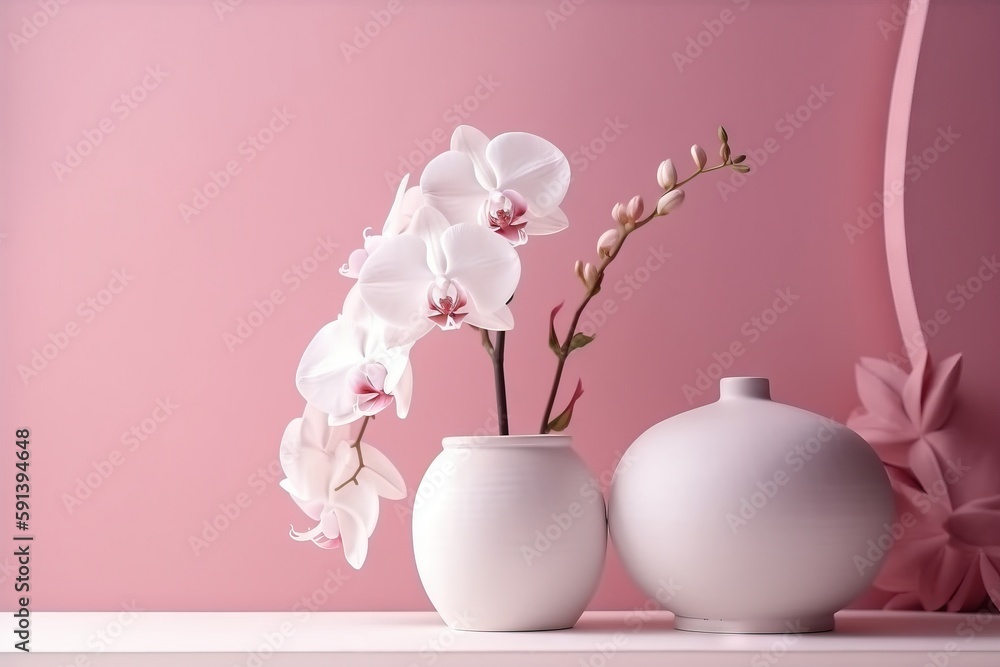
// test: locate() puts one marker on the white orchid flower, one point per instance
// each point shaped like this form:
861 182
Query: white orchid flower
512 184
349 372
317 458
403 207
443 275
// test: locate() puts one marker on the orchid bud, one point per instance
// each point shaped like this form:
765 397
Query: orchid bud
669 202
579 270
607 243
666 175
619 214
634 208
699 156
589 275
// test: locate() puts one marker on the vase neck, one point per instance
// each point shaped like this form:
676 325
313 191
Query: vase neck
744 387
508 441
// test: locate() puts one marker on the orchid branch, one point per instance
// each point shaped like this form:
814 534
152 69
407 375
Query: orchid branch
496 352
593 277
361 459
501 383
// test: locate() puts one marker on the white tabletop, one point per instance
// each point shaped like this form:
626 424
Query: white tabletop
601 639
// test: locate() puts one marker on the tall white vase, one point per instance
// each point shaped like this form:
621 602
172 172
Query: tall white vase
509 533
752 516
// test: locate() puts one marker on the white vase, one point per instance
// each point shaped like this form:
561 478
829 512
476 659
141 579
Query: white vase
748 515
509 533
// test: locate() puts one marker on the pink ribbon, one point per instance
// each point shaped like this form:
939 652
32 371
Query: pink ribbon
900 105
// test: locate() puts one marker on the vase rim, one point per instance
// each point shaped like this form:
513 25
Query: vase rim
534 440
747 386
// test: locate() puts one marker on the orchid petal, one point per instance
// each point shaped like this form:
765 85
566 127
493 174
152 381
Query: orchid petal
449 184
391 226
316 536
533 167
484 263
381 334
499 320
357 510
381 474
404 336
342 465
302 455
372 244
429 224
394 281
322 372
412 200
329 524
311 508
472 142
355 309
402 391
554 221
395 363
306 536
354 263
360 500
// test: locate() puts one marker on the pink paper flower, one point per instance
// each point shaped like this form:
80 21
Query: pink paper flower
943 556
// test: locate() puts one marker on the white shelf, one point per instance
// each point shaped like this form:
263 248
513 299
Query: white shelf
601 639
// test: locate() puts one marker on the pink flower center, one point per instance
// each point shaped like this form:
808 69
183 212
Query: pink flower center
446 300
504 213
367 381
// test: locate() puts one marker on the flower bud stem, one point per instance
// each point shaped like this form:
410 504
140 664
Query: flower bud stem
593 290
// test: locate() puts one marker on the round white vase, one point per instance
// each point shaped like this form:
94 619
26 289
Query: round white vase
753 516
509 533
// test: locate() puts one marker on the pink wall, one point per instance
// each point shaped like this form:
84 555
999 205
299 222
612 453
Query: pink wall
607 70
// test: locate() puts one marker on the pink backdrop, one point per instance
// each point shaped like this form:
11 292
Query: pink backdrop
155 412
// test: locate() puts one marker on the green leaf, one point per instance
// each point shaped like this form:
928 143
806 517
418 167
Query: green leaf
562 421
553 338
580 340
